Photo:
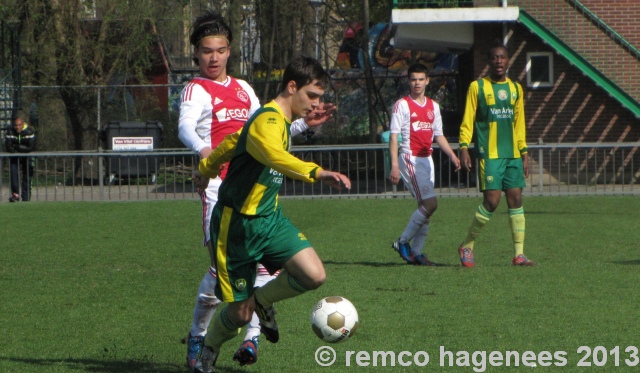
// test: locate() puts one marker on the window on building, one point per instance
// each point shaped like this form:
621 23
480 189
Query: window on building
539 69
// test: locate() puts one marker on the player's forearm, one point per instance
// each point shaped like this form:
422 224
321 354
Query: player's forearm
187 134
281 160
393 151
444 146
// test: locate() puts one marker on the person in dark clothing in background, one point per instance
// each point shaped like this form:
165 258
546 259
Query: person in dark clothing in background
20 139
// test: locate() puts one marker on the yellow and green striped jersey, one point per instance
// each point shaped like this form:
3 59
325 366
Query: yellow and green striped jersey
495 110
260 160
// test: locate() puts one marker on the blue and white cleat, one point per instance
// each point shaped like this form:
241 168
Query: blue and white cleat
194 346
247 354
404 249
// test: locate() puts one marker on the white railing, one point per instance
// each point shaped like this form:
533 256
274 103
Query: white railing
556 169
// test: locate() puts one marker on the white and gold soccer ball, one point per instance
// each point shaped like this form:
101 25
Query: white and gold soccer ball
334 319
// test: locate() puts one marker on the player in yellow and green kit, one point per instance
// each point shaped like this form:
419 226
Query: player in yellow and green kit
247 225
494 121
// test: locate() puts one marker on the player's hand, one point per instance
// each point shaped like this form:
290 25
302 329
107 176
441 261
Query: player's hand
201 182
394 175
321 114
334 179
525 164
465 159
204 153
456 162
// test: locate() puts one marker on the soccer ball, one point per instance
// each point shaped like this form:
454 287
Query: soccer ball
334 319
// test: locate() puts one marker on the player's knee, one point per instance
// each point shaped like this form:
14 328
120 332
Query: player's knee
491 204
316 279
241 312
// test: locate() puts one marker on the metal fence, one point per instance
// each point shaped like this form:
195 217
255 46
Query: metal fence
556 169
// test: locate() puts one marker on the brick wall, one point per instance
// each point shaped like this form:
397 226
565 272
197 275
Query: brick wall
584 37
574 110
621 15
593 44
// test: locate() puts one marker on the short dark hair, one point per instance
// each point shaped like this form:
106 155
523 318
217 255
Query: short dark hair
417 68
211 23
496 44
304 70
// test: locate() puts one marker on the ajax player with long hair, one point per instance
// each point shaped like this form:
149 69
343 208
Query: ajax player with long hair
212 106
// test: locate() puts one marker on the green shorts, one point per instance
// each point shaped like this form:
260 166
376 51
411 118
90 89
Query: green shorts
501 174
240 241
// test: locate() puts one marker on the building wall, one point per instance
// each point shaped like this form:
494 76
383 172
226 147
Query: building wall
622 15
578 32
574 110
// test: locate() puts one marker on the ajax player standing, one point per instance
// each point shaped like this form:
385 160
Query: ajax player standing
418 119
212 106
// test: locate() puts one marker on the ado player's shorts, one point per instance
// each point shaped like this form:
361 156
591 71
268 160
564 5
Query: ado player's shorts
240 241
501 174
417 175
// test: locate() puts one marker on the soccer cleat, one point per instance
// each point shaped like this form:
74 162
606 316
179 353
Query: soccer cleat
404 249
247 354
268 324
206 362
466 257
194 346
423 261
14 197
522 261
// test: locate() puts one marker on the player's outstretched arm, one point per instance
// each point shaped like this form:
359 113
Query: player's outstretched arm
318 116
321 114
334 179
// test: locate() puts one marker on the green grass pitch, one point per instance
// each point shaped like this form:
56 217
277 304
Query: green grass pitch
109 287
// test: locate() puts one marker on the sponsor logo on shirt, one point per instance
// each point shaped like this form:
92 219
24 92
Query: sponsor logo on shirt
413 115
225 114
421 126
277 176
504 113
217 101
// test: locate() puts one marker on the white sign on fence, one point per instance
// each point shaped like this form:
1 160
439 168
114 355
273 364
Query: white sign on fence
132 143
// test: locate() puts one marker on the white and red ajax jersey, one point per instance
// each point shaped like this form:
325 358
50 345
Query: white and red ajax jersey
216 109
417 123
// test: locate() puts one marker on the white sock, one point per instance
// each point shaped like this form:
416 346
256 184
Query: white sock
262 277
206 304
419 218
419 238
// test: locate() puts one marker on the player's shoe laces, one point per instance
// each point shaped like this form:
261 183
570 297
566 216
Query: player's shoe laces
522 261
466 257
268 324
422 260
247 354
404 249
206 362
194 345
